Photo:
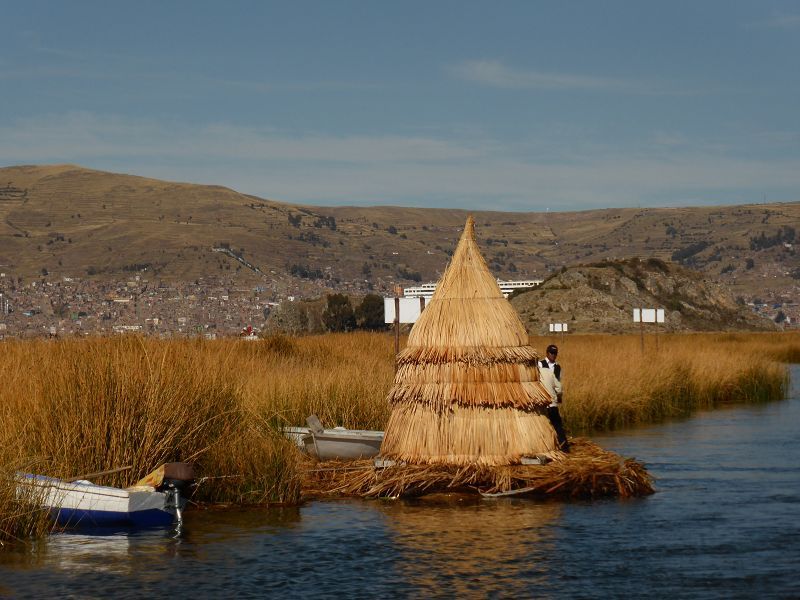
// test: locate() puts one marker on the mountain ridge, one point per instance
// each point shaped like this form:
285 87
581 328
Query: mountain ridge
69 221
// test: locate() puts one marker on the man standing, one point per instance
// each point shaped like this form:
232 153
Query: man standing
551 364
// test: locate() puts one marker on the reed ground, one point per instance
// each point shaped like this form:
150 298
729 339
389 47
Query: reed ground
75 406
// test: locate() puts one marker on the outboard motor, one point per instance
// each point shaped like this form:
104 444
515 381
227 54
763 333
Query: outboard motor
175 478
177 475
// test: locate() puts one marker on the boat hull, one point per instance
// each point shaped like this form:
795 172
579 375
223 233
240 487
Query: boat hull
84 504
75 517
334 444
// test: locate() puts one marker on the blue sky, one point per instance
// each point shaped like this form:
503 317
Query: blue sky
528 105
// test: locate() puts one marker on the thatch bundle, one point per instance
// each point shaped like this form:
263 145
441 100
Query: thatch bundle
588 471
467 390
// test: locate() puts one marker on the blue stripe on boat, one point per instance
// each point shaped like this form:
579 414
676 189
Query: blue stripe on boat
75 517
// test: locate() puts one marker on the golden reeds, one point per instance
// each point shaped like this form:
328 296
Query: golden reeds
466 435
105 392
467 389
609 382
101 404
21 515
587 471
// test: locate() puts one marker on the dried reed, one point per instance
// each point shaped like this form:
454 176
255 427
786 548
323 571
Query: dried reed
21 516
467 389
99 404
111 399
587 471
611 383
466 435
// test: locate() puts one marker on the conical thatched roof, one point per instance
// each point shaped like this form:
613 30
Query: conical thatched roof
467 389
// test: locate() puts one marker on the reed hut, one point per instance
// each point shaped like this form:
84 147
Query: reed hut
467 390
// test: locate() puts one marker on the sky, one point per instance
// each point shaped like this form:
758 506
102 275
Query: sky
504 105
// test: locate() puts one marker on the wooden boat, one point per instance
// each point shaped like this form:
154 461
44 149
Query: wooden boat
335 443
155 500
341 443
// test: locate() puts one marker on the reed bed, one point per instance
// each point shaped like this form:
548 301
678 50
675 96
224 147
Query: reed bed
98 404
610 382
21 517
75 406
586 472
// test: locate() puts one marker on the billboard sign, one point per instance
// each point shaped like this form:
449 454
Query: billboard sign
409 309
648 315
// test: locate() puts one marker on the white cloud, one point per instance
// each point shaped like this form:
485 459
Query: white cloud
86 135
474 172
493 73
670 139
781 21
496 74
779 139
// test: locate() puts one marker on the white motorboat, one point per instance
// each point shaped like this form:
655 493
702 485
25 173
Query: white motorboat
335 443
153 501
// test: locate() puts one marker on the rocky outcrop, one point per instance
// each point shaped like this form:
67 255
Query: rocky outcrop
601 297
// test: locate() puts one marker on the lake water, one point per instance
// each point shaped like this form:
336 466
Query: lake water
724 523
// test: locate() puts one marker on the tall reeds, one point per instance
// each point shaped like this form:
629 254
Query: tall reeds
21 516
81 406
612 382
75 406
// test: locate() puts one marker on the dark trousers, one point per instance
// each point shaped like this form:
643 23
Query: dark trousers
558 425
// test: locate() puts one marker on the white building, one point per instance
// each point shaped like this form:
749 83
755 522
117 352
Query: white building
426 289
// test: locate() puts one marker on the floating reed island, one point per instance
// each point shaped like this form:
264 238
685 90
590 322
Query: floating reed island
469 408
586 472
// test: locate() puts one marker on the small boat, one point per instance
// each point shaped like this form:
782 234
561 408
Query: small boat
296 434
336 443
341 443
155 500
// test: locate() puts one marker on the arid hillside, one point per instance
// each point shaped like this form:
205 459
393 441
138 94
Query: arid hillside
66 220
600 298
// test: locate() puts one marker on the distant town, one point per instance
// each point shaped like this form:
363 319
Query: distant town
69 307
207 307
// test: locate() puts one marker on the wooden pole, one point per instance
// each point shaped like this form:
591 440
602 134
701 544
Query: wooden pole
396 330
641 327
97 474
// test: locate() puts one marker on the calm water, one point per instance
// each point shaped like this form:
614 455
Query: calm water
724 524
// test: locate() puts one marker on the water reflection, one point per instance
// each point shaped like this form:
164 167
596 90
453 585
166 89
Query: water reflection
465 547
722 524
146 554
231 525
109 554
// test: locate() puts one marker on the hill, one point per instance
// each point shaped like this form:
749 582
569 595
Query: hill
65 220
600 298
